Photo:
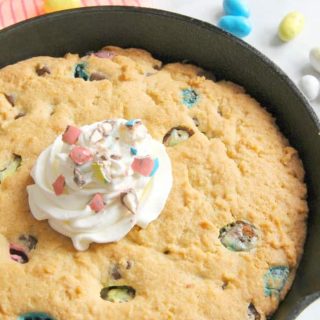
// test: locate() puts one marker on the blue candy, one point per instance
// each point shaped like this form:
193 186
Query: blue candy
132 122
133 151
238 26
274 280
190 97
80 71
155 167
236 8
35 316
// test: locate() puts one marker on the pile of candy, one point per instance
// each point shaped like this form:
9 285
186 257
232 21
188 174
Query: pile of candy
290 27
80 156
236 19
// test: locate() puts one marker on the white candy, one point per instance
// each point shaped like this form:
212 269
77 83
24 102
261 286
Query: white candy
310 86
314 57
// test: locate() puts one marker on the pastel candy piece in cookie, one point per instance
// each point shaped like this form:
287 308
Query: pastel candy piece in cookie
58 185
239 236
56 5
35 316
80 155
144 166
116 272
190 97
29 241
236 25
118 294
18 253
253 314
81 72
9 169
314 58
97 203
42 71
310 86
236 8
71 135
97 76
274 280
177 135
105 54
291 25
11 99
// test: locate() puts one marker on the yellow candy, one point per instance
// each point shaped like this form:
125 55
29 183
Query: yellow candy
291 25
56 5
99 173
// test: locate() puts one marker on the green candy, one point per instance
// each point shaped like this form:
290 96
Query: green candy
35 316
274 280
190 97
118 294
10 168
81 72
177 135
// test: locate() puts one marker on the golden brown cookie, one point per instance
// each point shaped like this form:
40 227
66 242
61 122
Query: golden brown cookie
226 246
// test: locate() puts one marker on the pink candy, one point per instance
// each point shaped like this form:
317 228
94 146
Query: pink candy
97 204
58 185
71 135
144 166
15 249
80 155
104 54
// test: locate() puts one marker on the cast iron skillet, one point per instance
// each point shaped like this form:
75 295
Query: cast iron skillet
173 37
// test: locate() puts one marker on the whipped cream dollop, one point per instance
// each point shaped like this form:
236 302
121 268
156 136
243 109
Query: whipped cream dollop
95 183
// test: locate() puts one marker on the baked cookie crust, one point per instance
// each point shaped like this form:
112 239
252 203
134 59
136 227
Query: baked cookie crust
233 168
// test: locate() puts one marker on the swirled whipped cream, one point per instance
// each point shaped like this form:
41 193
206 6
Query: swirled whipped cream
95 183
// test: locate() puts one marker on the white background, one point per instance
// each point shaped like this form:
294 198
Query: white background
292 57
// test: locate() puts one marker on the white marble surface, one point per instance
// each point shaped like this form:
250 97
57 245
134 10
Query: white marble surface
292 57
265 17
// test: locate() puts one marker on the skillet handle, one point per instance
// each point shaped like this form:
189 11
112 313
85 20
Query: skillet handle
304 304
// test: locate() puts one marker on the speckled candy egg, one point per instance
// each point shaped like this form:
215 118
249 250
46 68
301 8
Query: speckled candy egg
310 86
291 25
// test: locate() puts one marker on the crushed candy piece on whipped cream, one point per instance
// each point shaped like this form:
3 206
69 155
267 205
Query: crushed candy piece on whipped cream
95 183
